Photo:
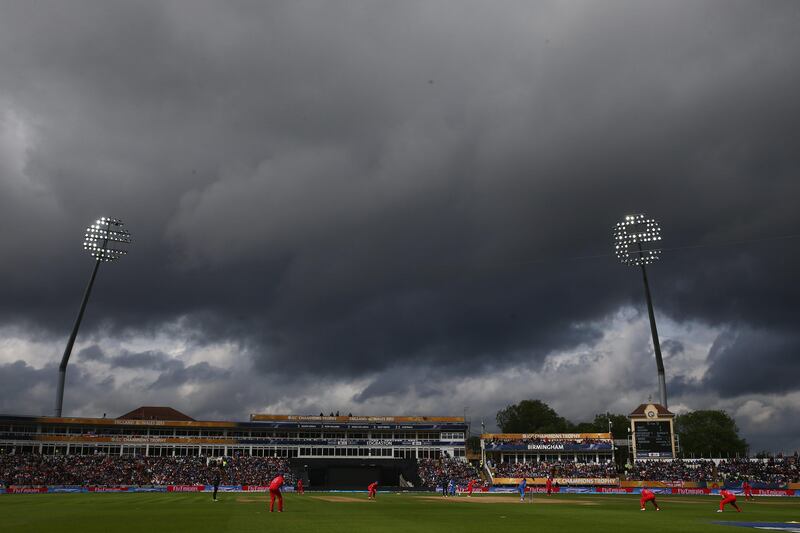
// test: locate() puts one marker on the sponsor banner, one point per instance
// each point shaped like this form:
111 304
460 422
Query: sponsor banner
108 489
577 490
774 492
586 481
70 490
614 490
26 490
545 436
127 422
347 442
793 486
654 455
687 490
591 481
138 439
544 447
255 488
147 489
224 488
185 488
542 490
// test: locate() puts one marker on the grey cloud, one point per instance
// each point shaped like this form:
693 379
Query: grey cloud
145 360
672 347
197 373
342 190
754 361
92 353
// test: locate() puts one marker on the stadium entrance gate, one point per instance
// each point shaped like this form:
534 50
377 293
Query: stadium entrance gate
356 474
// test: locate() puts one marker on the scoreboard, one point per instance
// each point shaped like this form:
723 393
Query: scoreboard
653 439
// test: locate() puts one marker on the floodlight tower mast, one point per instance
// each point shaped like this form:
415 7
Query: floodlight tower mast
636 241
103 240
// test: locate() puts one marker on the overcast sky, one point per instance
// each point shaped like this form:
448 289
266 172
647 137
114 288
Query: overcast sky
402 207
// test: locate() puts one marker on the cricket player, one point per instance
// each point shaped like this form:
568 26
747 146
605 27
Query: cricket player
451 487
300 489
648 496
748 491
373 490
727 498
470 486
275 492
521 488
549 485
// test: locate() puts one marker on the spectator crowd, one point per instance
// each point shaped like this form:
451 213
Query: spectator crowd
106 470
436 472
772 471
564 469
675 470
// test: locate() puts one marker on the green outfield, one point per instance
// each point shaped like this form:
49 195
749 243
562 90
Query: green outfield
343 512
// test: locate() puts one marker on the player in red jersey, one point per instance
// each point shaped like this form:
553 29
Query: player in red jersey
727 498
275 492
648 496
470 486
300 489
748 491
373 489
549 485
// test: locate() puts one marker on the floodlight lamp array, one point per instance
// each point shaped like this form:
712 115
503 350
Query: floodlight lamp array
104 240
636 240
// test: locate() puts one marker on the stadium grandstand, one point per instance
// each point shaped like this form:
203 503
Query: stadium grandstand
571 458
161 448
159 445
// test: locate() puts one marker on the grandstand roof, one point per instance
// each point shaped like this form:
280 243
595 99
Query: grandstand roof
155 413
350 418
641 411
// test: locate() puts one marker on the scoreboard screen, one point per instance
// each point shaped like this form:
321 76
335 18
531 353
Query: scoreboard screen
653 439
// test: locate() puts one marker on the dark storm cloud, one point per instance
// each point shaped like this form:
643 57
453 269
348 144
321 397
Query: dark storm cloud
671 347
754 361
92 353
179 374
341 188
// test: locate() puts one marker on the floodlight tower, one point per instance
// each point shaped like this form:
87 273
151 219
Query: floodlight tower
105 241
636 243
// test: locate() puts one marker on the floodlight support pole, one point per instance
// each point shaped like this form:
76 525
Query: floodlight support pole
662 381
62 369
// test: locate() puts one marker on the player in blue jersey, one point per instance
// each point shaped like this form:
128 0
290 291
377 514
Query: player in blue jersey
521 488
452 487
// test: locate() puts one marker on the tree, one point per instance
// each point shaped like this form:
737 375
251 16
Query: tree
709 434
531 416
619 425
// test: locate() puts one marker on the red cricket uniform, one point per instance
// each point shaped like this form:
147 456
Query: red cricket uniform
728 498
275 492
372 488
300 486
469 486
648 496
549 485
748 490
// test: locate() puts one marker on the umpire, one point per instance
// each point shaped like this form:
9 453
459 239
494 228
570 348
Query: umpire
215 482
